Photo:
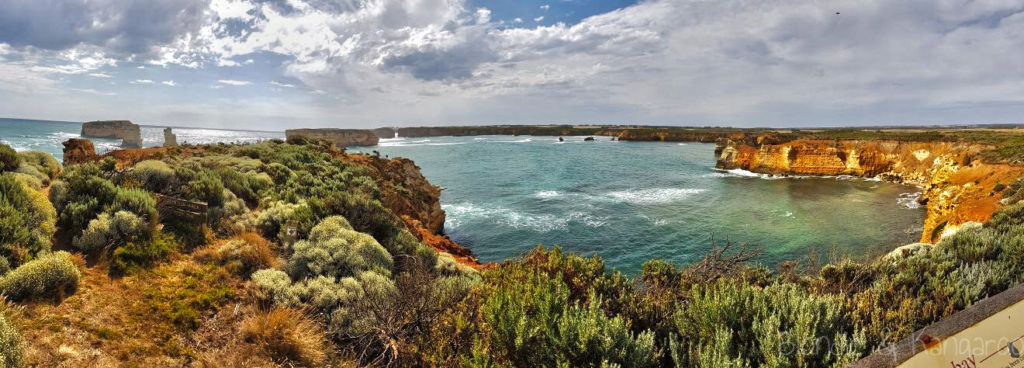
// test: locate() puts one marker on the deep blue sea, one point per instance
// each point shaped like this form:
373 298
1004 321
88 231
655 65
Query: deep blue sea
626 201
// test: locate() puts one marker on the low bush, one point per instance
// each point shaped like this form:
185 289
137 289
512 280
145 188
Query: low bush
112 232
287 336
9 159
142 253
50 276
246 253
155 175
335 250
12 345
43 162
27 221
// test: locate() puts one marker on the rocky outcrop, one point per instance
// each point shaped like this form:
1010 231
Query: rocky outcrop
170 140
339 137
128 133
956 187
78 151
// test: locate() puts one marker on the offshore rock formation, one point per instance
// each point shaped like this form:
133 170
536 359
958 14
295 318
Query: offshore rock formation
170 140
78 151
956 186
124 130
339 137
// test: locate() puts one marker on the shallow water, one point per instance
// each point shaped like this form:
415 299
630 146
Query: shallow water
633 201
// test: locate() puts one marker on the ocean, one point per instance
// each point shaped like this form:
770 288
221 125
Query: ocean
24 135
625 201
630 202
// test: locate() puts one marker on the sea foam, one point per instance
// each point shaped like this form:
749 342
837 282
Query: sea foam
654 195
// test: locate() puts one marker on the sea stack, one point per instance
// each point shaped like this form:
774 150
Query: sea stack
124 130
170 140
78 151
588 139
339 137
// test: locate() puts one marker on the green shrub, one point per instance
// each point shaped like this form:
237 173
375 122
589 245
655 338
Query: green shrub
155 175
43 162
12 345
534 324
111 232
335 250
205 187
31 174
27 221
142 253
9 159
781 325
49 276
136 201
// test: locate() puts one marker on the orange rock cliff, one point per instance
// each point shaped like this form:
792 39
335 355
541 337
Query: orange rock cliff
956 186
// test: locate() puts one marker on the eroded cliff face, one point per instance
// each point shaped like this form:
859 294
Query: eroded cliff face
956 186
129 133
340 137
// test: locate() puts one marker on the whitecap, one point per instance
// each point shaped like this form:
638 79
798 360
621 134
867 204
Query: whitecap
547 194
516 141
909 200
654 195
462 213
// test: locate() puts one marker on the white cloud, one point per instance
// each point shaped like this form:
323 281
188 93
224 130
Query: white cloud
232 82
169 83
142 81
99 75
658 61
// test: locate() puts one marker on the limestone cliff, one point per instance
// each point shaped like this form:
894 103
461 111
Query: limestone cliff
128 133
340 137
956 186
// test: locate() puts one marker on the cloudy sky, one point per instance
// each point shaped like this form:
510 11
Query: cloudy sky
271 64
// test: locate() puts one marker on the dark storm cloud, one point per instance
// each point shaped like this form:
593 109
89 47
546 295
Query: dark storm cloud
119 27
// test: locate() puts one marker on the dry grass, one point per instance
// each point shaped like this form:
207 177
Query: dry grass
288 336
242 254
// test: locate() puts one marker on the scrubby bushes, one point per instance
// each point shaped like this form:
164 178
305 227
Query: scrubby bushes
335 250
27 221
43 162
9 159
246 253
12 345
51 276
155 175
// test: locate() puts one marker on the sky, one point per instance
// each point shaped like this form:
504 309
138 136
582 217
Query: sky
276 64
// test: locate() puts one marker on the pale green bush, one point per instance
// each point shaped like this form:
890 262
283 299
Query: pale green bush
335 250
51 275
34 173
273 286
112 231
42 161
155 175
12 345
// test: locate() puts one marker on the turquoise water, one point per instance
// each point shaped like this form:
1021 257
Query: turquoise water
633 201
24 135
626 201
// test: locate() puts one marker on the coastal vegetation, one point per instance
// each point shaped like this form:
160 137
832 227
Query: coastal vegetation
306 255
